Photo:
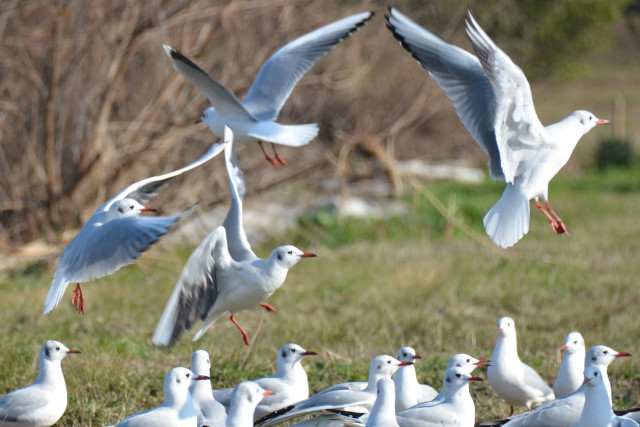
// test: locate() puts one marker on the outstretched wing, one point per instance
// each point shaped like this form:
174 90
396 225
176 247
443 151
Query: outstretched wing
518 129
222 99
194 294
145 190
279 75
460 75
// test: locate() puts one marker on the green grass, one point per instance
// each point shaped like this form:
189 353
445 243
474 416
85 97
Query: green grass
376 286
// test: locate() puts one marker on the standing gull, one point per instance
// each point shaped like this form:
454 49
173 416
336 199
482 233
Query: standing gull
223 274
115 235
289 384
208 411
253 119
570 374
177 410
493 100
510 378
43 402
565 411
408 391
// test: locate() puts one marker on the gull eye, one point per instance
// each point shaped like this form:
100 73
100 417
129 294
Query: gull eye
188 375
293 350
605 352
58 348
457 375
468 360
595 374
590 118
290 252
404 354
131 207
388 362
575 342
120 210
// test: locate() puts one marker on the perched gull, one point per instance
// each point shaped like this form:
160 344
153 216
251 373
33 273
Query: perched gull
43 402
512 380
408 391
570 374
453 407
289 384
596 411
246 396
223 274
383 413
341 397
252 120
565 411
493 100
209 412
115 235
177 410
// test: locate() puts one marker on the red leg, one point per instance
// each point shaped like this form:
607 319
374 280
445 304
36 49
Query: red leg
269 307
244 334
280 159
266 156
561 227
552 221
78 299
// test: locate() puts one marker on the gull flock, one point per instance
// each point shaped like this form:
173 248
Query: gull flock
223 276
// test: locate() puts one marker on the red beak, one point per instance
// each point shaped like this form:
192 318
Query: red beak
308 255
586 380
268 393
475 379
197 121
564 347
148 209
623 354
74 352
603 122
405 363
309 353
417 356
201 377
483 363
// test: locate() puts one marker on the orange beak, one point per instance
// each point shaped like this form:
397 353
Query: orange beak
148 209
603 122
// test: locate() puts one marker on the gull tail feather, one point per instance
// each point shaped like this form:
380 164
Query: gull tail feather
291 135
164 334
56 291
508 220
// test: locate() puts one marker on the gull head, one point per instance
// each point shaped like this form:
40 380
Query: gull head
250 392
457 377
468 363
290 354
506 327
287 256
587 120
601 355
200 363
177 382
385 366
55 351
407 354
573 343
127 207
592 377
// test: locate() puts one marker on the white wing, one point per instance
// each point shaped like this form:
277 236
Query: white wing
460 75
563 411
279 75
145 190
101 249
239 247
518 129
195 293
23 402
222 99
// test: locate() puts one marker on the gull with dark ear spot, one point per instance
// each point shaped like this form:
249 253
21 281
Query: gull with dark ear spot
176 410
565 411
115 235
493 99
408 391
453 406
253 119
43 402
246 396
289 384
223 275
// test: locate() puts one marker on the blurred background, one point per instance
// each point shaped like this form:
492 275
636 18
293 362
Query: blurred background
90 103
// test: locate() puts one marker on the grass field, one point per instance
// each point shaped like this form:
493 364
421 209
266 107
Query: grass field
418 280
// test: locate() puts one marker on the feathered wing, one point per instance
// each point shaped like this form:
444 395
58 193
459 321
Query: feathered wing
279 75
460 75
518 129
238 245
20 405
222 99
102 249
145 190
194 294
